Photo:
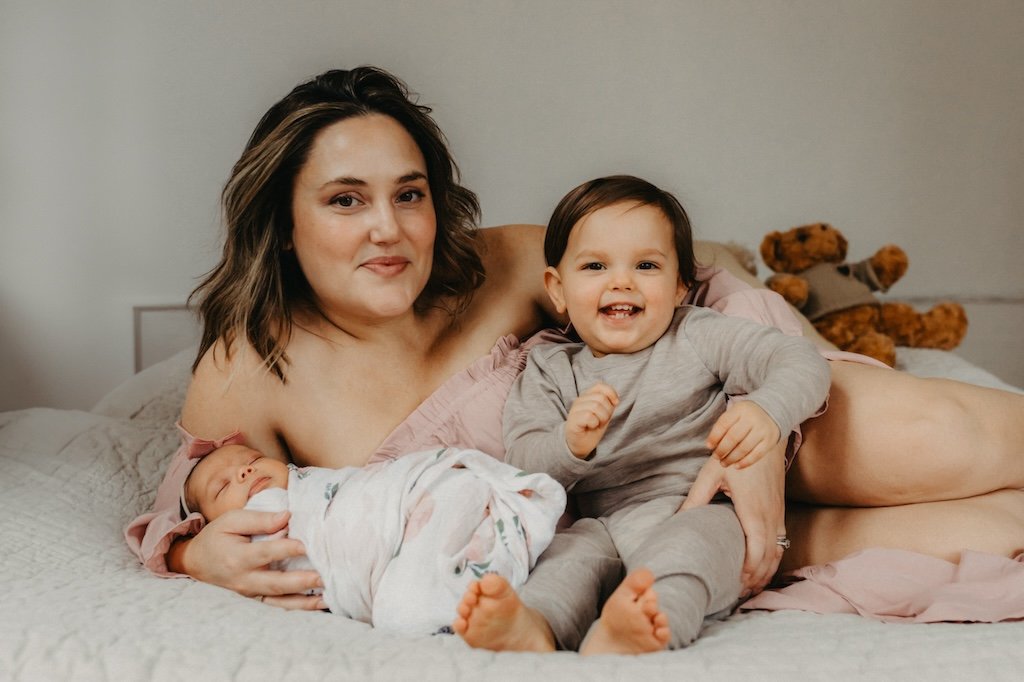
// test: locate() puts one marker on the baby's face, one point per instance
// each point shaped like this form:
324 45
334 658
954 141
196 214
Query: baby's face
619 278
226 478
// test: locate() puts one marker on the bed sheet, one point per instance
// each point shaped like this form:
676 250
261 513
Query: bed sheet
77 605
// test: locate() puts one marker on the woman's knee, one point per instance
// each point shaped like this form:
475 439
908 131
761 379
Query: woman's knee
950 446
891 438
943 420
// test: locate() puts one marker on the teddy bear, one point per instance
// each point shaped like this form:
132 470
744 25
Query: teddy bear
837 297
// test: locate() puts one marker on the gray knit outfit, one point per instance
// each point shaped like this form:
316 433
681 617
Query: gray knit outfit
629 490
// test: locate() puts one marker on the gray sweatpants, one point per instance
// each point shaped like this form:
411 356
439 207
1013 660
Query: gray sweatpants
696 557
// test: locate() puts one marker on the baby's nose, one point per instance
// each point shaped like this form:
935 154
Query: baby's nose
622 280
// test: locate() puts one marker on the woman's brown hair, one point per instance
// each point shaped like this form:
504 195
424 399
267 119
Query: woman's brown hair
255 288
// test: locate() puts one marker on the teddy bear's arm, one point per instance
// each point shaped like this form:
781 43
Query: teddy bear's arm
863 272
793 288
886 267
890 263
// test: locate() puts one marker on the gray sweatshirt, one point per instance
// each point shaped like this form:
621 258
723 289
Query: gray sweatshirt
670 395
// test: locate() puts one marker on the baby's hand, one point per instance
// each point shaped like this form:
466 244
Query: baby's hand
588 418
742 435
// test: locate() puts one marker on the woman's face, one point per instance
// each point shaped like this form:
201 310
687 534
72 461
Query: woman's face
364 222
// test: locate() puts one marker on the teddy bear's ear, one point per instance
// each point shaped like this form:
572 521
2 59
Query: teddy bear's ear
768 249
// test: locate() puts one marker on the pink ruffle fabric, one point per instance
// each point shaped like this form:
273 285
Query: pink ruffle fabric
464 412
895 585
150 536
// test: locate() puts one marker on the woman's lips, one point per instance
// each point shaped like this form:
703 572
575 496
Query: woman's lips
386 265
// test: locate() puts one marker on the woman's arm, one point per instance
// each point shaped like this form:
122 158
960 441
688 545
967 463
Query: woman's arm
758 491
229 394
758 496
514 259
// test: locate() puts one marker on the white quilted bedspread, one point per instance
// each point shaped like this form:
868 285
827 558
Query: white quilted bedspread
76 605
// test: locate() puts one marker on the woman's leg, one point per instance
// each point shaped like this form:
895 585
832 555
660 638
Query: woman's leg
992 523
891 438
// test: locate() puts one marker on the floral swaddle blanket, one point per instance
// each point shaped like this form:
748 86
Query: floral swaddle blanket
397 542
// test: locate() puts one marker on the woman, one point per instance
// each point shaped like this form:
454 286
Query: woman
356 313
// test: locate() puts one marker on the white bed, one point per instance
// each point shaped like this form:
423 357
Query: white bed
76 604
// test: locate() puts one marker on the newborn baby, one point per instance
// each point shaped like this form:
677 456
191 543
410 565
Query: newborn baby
396 542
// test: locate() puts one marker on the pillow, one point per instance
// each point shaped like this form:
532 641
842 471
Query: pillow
166 380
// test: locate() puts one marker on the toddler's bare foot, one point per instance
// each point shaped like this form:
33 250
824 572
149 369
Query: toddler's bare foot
491 616
630 622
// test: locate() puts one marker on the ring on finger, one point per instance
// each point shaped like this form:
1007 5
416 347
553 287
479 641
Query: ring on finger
782 541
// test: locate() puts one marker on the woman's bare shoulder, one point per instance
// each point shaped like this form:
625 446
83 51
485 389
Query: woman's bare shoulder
514 260
512 242
232 391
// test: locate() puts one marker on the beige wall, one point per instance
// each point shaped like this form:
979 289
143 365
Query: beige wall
895 120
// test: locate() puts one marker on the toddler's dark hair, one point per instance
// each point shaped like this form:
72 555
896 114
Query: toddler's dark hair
603 192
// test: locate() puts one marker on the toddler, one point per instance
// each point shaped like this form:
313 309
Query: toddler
625 420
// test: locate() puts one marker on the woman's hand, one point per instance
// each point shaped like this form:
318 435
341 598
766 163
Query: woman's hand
758 495
222 554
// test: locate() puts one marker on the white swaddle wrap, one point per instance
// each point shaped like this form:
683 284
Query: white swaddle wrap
398 542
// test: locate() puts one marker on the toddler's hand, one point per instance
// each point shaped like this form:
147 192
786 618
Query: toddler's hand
588 418
742 435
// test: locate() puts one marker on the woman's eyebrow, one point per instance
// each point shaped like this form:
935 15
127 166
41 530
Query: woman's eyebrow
345 181
410 177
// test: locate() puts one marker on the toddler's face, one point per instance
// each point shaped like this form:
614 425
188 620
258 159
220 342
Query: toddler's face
226 478
619 278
